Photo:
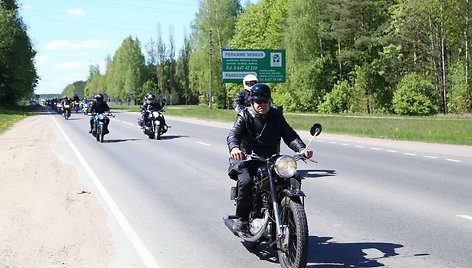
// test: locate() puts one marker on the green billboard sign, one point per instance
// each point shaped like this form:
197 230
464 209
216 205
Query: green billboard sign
267 65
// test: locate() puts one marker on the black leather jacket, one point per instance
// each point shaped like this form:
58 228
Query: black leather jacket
153 106
99 108
240 100
261 135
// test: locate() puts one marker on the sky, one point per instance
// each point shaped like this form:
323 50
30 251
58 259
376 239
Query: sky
71 35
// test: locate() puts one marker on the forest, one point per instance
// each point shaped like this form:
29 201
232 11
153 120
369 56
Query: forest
405 57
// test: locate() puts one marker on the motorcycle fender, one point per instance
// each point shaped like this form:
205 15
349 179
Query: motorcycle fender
293 192
158 122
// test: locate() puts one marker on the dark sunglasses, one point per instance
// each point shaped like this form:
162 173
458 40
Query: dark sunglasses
260 102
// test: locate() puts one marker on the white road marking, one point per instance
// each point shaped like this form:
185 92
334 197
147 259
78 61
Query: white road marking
465 217
124 122
393 151
141 249
202 143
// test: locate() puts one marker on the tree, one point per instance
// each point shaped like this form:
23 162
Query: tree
308 64
95 82
17 72
219 16
76 88
182 74
126 72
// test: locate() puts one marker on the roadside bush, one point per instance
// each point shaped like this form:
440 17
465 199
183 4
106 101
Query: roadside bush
337 101
415 96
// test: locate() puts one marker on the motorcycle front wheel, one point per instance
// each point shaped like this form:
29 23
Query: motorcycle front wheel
100 133
294 253
157 133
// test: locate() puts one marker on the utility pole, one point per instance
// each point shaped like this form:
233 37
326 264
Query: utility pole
211 53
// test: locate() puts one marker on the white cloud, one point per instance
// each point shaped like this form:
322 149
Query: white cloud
76 12
40 60
26 6
72 65
72 78
66 45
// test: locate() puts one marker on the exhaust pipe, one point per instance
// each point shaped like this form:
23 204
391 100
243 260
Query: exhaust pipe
229 221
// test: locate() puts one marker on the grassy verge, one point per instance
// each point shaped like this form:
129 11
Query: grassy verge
9 116
438 129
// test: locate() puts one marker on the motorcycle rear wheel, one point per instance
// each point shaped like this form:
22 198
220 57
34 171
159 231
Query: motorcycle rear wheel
293 215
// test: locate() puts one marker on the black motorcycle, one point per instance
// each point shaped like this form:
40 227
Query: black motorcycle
155 127
278 214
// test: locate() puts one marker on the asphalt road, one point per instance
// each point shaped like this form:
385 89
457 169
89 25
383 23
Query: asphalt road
367 206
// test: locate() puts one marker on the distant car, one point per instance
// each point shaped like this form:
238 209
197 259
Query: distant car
33 103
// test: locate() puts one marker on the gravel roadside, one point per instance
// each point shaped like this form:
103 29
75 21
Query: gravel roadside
47 217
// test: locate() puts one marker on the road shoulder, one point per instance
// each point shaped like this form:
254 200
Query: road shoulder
48 217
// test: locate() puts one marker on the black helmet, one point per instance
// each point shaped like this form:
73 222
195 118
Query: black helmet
150 96
65 98
259 92
98 97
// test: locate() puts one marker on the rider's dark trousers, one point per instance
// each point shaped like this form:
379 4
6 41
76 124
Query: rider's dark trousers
244 201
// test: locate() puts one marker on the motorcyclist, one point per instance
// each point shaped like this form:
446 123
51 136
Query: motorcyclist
76 101
65 101
99 106
149 105
257 129
240 100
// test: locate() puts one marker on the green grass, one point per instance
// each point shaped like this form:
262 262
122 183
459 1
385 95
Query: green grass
433 129
11 115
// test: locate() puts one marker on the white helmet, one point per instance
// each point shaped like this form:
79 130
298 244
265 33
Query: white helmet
249 78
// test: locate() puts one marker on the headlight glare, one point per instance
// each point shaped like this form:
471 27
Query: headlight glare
285 166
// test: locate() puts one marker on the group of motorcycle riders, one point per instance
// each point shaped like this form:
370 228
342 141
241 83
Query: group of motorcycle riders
259 127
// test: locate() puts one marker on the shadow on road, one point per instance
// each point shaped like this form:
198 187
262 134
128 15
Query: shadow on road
325 254
263 251
119 140
316 173
171 137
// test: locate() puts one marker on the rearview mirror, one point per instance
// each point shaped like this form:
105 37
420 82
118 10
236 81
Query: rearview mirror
315 130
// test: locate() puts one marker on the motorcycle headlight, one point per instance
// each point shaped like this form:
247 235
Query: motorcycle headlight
155 114
285 166
101 116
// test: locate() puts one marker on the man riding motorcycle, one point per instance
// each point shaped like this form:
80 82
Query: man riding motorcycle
99 106
258 129
149 105
65 101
